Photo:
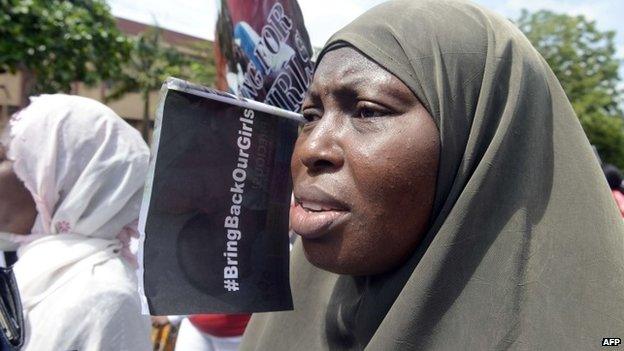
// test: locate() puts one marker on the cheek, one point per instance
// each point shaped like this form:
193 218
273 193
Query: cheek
7 181
396 173
294 159
393 212
297 168
395 179
17 209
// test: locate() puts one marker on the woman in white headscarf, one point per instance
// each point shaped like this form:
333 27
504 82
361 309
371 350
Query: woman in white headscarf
84 169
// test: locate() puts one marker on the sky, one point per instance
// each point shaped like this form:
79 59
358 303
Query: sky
324 17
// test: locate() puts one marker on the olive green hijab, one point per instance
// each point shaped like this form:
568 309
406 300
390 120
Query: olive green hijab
525 248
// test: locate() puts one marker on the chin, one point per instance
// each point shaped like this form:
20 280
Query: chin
332 259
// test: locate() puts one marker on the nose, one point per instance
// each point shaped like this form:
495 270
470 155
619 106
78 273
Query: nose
320 150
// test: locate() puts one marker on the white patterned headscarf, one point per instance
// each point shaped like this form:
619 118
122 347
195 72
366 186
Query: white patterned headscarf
85 168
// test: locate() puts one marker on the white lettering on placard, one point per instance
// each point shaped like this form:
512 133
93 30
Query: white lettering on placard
231 222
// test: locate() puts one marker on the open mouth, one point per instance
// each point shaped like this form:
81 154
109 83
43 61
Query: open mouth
312 219
312 206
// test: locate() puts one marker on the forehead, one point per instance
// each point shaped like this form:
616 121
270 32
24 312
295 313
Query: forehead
346 66
345 59
345 75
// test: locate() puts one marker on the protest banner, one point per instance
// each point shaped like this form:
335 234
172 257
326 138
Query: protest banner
214 218
263 51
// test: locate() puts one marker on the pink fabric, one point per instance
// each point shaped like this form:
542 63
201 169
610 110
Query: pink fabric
42 209
125 235
619 200
85 168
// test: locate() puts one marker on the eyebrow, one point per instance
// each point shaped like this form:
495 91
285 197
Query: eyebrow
350 78
353 79
353 85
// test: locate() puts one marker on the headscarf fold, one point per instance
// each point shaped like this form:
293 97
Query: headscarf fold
525 249
85 168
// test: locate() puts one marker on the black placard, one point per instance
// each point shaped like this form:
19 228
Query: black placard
215 213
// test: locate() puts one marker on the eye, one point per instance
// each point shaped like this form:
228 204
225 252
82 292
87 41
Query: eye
371 110
311 114
369 113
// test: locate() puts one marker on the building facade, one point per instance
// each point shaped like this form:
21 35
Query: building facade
130 106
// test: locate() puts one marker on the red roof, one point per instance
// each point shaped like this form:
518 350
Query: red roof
174 38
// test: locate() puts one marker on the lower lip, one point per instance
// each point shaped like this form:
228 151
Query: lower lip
311 225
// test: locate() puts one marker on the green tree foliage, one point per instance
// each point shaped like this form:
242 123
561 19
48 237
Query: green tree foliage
58 42
202 68
150 63
583 59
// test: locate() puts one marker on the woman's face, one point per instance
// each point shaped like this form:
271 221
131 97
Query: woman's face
364 167
17 207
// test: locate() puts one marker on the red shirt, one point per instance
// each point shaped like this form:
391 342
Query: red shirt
221 325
